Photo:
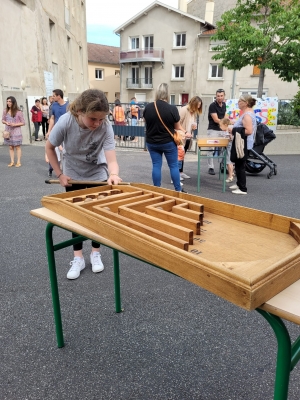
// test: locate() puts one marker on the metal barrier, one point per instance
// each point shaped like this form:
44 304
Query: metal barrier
130 136
133 134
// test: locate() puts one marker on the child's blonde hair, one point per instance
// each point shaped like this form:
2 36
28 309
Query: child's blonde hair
225 121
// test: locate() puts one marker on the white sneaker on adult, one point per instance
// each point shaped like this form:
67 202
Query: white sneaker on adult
238 191
233 187
77 265
97 265
185 176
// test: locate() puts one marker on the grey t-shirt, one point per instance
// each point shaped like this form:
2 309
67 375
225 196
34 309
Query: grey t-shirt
83 157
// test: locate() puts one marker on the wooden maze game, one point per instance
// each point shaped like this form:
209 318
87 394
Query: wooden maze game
243 255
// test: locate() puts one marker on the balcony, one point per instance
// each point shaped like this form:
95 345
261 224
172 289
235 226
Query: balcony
142 83
152 54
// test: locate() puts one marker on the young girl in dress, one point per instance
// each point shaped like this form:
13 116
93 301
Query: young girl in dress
89 154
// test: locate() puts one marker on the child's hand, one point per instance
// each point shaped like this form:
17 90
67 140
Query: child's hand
114 179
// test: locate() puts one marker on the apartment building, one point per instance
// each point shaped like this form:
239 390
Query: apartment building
160 44
104 69
43 47
164 44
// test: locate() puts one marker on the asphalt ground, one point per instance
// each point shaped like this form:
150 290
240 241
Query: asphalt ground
173 341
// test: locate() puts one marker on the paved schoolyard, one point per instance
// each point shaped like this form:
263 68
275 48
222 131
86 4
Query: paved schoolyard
173 341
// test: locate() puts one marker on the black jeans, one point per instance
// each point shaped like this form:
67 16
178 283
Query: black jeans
45 125
78 246
241 174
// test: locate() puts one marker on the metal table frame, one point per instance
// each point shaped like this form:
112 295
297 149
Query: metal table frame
288 354
205 148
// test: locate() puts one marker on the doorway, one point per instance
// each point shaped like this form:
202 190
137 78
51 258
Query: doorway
184 98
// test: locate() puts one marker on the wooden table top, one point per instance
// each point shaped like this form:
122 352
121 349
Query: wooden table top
285 304
212 142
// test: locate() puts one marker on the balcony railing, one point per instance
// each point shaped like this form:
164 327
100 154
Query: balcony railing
142 83
154 54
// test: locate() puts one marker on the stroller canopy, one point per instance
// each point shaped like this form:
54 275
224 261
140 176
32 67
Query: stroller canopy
264 135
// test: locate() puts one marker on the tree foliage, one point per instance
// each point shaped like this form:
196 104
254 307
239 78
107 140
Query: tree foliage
265 33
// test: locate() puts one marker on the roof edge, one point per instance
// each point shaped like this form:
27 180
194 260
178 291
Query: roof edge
156 4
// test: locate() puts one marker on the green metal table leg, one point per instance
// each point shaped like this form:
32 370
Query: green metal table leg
284 354
224 172
117 281
54 286
295 353
199 158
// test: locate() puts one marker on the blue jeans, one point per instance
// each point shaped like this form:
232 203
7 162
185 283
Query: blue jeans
156 152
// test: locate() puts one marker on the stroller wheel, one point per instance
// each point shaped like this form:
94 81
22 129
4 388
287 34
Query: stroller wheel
269 174
275 170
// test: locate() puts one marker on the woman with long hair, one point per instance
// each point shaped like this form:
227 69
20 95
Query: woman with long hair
188 118
13 118
89 154
158 139
45 116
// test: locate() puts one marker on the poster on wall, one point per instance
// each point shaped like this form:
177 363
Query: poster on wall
48 77
266 111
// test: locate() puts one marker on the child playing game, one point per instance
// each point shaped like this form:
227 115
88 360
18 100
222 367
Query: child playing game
89 155
224 123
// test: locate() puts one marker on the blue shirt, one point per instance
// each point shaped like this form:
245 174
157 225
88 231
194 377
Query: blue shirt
58 110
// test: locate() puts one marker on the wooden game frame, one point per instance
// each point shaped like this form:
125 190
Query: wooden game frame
244 255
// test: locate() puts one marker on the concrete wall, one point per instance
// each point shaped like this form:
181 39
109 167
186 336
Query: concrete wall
111 82
286 142
31 45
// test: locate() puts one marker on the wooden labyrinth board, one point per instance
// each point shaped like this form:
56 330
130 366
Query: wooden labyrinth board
243 255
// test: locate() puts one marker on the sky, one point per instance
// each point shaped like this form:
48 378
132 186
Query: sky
103 17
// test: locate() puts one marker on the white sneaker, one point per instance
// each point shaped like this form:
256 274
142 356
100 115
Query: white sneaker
233 187
181 178
97 265
181 184
229 180
185 176
77 265
238 191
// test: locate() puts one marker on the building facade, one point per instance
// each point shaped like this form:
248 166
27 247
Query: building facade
104 69
160 44
44 47
163 44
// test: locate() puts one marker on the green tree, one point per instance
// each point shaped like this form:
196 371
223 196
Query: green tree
265 33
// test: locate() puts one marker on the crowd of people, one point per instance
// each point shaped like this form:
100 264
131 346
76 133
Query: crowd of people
82 131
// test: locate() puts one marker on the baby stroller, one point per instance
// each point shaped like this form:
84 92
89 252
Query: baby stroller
257 160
